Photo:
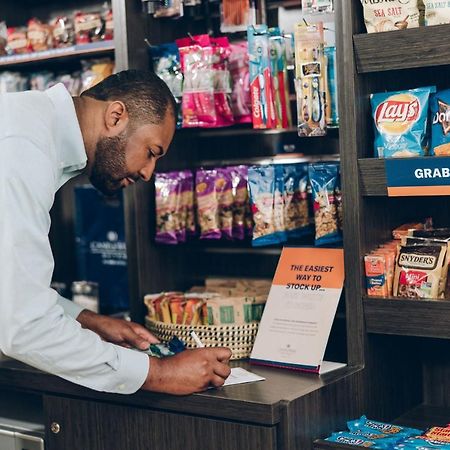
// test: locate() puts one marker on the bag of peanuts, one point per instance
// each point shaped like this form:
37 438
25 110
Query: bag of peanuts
391 15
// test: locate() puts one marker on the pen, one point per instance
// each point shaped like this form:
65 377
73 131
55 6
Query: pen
197 339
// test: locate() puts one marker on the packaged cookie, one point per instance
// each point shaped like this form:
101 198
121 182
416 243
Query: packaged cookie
295 193
437 12
440 123
17 41
167 190
391 15
400 120
207 204
89 27
323 178
418 271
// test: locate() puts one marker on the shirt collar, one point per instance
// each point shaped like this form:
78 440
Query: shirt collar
69 140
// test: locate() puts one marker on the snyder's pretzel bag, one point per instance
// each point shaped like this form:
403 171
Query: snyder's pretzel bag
440 123
390 15
400 120
437 12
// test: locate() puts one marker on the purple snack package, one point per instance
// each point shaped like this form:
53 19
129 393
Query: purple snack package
167 191
207 204
239 176
224 190
187 218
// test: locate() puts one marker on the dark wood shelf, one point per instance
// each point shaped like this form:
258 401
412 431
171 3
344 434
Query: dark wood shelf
321 444
372 175
56 54
403 49
425 416
423 318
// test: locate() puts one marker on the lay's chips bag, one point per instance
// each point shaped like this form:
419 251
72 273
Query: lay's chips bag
400 120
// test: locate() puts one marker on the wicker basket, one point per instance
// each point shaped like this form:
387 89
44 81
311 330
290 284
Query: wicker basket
238 338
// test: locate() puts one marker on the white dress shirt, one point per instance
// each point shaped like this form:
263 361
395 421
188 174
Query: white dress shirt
41 147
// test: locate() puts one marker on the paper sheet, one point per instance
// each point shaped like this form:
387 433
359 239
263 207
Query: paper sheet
239 375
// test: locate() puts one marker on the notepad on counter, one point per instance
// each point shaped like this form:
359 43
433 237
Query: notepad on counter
239 375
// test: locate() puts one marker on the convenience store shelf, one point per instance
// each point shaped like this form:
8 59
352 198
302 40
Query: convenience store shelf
425 47
408 317
75 51
372 174
321 444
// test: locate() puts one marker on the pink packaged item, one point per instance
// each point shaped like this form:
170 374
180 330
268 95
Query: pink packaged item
222 81
241 103
196 57
207 204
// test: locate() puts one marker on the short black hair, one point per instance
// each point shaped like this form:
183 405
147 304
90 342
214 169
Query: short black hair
146 97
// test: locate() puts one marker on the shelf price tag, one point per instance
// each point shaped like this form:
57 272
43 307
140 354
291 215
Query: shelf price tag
300 310
410 177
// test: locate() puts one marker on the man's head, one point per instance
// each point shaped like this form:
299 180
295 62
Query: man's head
128 123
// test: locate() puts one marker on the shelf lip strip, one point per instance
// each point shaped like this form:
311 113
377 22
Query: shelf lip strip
52 54
378 52
407 317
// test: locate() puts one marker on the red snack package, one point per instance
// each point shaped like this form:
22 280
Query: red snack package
63 32
18 41
39 35
89 27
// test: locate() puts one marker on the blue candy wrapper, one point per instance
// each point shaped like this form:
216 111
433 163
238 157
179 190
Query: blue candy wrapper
345 437
380 427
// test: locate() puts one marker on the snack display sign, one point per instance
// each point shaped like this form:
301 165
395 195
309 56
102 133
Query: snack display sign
300 310
411 177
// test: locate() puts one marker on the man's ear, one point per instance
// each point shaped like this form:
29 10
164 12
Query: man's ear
116 118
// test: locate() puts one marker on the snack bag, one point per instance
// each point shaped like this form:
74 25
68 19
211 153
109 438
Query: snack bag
437 12
89 27
295 193
166 64
224 189
108 19
376 275
241 103
222 81
419 270
168 199
278 204
17 41
422 443
400 120
261 80
262 186
323 178
392 15
39 35
440 123
3 38
198 107
239 176
331 107
349 438
365 424
207 204
63 31
187 219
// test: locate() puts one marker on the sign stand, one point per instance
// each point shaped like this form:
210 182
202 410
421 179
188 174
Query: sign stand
300 310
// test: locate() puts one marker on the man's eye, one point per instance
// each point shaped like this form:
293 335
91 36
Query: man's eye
150 154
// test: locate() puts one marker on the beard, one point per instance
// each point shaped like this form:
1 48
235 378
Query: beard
109 166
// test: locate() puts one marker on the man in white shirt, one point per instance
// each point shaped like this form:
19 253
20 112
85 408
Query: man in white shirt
115 132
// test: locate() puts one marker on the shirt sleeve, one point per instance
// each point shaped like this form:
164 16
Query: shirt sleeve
34 327
70 308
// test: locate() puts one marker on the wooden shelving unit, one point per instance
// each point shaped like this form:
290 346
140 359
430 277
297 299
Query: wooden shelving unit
408 317
58 54
403 49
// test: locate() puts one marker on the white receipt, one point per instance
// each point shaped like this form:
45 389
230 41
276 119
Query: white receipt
239 375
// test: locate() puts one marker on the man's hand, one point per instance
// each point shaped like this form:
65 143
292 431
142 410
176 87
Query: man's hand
189 371
117 331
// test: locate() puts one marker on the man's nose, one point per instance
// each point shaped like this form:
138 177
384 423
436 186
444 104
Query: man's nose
147 171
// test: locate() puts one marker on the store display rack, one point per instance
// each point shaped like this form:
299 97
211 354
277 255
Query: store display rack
104 48
404 49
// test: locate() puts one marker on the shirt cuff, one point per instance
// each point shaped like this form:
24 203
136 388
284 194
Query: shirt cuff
70 308
132 371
